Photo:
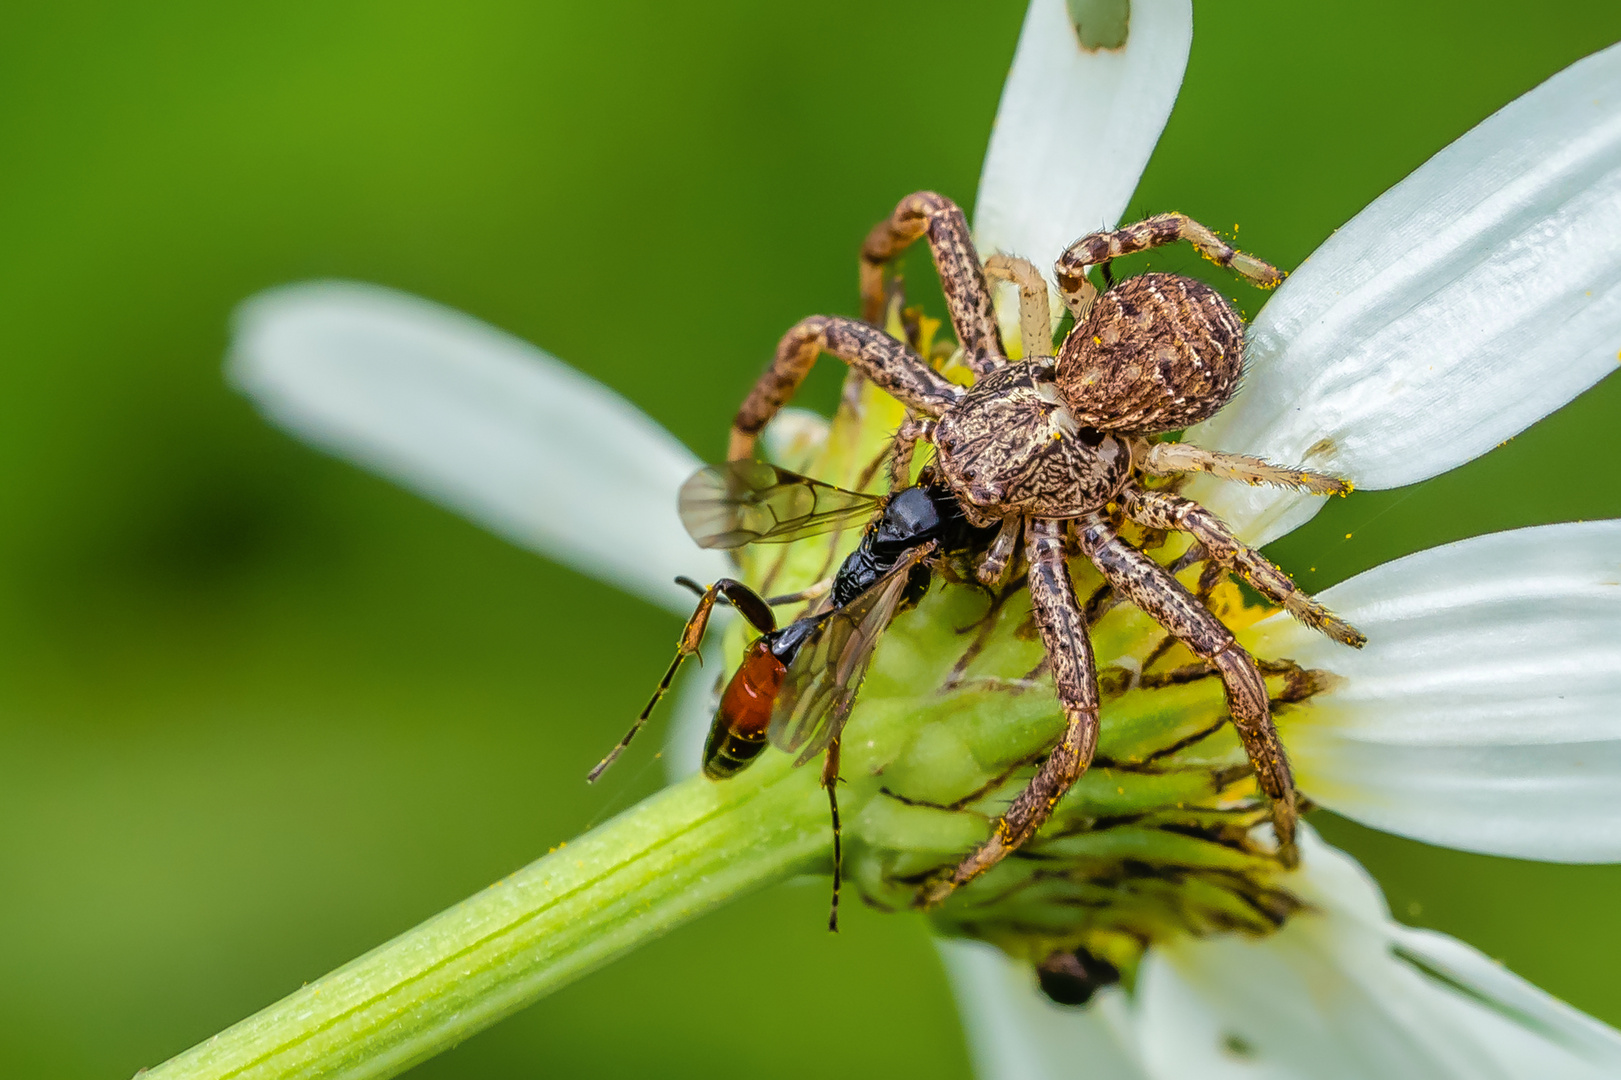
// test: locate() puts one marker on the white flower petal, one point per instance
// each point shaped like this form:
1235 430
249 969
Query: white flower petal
1485 711
1015 1033
1473 298
1342 993
477 421
1537 1019
1075 128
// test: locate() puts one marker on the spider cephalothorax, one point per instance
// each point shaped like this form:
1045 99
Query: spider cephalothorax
1056 449
1011 446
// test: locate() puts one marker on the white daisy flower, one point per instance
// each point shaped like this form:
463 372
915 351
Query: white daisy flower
1478 295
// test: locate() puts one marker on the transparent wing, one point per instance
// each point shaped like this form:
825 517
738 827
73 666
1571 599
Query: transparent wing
821 685
751 502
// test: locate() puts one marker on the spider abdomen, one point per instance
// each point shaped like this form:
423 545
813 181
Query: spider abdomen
1156 353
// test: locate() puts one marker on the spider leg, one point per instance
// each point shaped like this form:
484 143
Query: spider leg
1150 586
1035 308
999 555
1164 458
1069 648
1159 510
1157 231
891 365
900 458
961 279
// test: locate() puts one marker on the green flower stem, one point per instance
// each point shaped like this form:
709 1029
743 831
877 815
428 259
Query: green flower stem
680 853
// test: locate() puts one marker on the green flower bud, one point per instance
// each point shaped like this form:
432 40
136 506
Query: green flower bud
1165 834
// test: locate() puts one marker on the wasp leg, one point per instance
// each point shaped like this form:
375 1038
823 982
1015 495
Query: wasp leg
961 279
1164 458
1063 632
830 783
809 592
1159 510
905 444
895 368
1035 308
1151 587
1099 247
741 597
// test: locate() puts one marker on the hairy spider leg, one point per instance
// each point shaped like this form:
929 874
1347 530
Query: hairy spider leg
961 278
1035 306
741 597
1161 510
896 369
1069 650
903 447
1098 248
1151 587
1162 459
999 555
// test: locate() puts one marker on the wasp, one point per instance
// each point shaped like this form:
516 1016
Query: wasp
797 683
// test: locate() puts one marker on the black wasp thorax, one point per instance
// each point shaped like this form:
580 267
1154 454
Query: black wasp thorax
911 518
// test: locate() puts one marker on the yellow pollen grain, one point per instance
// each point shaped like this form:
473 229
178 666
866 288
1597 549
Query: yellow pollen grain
1348 536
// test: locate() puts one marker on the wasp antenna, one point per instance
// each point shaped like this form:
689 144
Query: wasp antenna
687 583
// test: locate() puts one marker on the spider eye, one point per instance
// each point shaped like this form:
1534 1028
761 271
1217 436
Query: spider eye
1090 436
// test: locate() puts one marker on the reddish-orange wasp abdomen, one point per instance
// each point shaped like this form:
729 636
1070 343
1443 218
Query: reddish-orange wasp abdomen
739 731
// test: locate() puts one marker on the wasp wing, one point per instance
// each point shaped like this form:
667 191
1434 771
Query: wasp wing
821 684
750 502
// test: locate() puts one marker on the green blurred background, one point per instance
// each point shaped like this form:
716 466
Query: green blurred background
259 711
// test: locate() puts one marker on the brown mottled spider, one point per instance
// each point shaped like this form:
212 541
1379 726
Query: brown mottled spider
1047 441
